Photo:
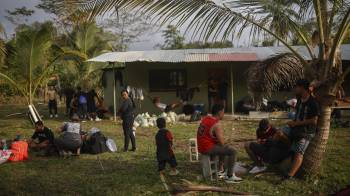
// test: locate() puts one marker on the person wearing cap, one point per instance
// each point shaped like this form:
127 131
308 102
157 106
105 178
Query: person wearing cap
42 139
70 139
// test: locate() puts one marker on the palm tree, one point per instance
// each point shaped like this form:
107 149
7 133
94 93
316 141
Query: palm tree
209 19
86 41
32 59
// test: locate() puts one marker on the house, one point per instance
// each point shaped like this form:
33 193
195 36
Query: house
160 72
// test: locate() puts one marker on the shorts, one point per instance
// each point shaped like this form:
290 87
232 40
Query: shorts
172 162
302 144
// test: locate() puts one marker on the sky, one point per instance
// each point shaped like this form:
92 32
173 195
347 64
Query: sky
148 41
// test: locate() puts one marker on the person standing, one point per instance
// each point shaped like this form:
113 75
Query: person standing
165 153
82 103
52 95
126 111
304 125
212 92
91 104
210 138
223 86
69 93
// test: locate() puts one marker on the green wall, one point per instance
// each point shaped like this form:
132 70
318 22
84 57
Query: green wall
136 74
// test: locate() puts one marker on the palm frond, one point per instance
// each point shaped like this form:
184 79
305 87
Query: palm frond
280 71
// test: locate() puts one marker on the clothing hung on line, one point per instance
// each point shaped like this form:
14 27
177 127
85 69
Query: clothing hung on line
135 93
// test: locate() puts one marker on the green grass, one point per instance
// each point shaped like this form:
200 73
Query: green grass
136 173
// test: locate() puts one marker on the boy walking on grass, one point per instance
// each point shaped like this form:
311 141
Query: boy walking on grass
165 154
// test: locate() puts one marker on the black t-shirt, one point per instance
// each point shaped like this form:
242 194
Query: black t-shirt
306 110
44 135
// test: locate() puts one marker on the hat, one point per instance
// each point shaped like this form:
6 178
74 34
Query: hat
75 117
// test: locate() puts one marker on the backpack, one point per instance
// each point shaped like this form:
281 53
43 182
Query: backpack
82 99
96 144
19 151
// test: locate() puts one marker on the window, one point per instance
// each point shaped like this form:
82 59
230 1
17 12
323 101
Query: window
167 79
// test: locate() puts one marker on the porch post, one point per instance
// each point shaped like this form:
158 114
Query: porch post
232 98
114 96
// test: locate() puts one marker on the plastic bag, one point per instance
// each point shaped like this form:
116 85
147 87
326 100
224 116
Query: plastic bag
111 145
4 155
239 169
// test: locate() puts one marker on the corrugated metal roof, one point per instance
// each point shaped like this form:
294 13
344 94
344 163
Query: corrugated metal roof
206 55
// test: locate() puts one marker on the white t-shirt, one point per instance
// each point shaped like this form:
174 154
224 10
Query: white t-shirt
72 127
161 106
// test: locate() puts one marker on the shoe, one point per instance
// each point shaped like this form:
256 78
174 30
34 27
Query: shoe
221 174
232 179
98 119
257 169
51 116
56 116
174 173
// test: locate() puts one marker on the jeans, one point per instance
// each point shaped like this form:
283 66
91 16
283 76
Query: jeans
223 152
82 110
128 133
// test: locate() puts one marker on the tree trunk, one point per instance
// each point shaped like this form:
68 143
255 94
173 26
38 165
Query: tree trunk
315 152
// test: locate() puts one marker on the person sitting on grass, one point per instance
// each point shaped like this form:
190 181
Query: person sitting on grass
211 142
272 146
70 140
42 139
166 107
165 153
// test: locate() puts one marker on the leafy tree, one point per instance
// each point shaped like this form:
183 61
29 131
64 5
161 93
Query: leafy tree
128 27
172 39
214 19
2 46
218 44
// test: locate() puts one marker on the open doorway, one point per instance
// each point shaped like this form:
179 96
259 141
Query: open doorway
217 87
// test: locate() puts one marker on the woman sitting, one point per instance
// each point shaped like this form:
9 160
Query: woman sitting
70 139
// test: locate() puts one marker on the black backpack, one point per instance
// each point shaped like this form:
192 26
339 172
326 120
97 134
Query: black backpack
96 144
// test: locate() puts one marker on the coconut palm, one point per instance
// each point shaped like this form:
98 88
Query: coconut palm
87 40
208 19
32 59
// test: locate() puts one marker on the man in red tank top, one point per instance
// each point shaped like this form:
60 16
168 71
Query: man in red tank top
211 142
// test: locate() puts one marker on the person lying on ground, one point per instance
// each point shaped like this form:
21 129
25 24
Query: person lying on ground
70 140
303 127
272 147
42 139
166 107
211 142
165 153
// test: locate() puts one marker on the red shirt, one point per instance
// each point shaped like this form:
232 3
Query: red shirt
205 139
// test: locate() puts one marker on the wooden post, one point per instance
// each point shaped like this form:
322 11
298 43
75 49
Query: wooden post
114 96
232 98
